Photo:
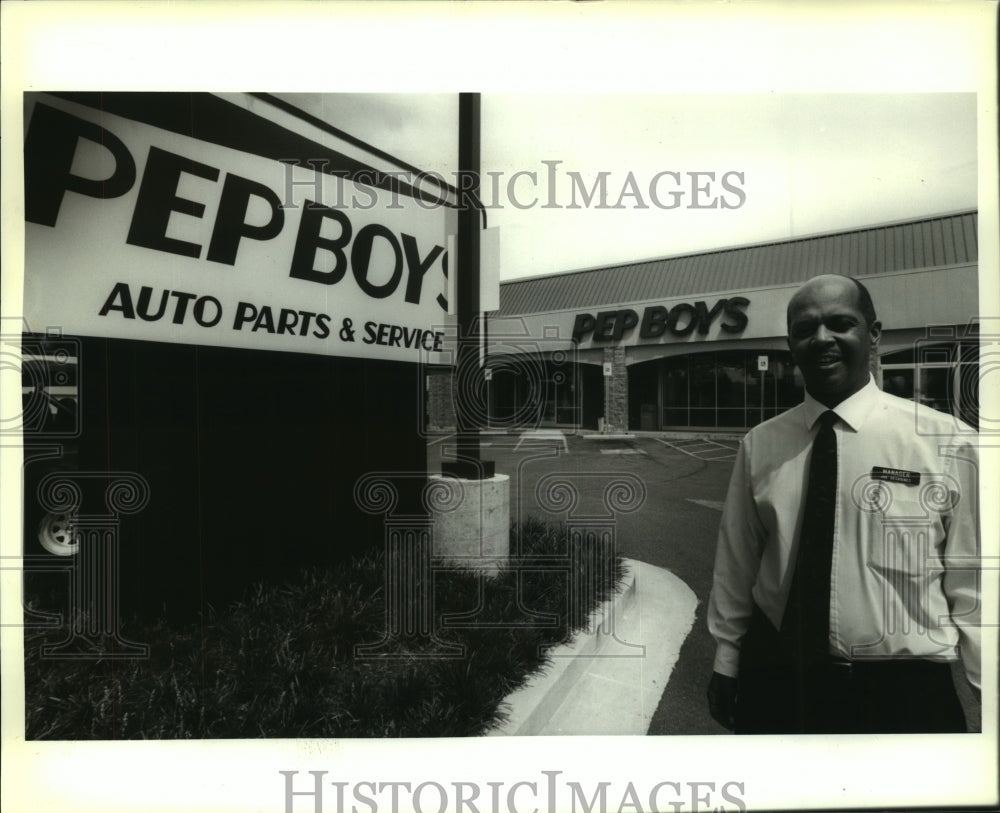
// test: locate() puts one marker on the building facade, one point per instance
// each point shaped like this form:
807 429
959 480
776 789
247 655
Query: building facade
697 342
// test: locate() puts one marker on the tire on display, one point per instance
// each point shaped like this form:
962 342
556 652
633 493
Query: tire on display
57 534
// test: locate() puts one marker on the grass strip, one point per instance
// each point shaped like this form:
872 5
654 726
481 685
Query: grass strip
281 662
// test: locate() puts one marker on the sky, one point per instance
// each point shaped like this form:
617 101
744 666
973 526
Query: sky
794 164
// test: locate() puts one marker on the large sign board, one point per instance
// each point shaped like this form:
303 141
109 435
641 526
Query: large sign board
138 232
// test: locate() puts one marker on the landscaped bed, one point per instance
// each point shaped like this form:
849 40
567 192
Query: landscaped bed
282 662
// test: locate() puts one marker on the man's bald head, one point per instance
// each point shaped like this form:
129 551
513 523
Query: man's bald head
864 298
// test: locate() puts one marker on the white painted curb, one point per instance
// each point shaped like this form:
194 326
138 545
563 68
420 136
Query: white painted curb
609 678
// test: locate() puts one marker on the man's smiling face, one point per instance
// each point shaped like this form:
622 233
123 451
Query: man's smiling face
830 338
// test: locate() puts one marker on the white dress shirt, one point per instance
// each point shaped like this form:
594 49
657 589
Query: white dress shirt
905 568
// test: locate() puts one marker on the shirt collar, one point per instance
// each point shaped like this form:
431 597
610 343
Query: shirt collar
853 411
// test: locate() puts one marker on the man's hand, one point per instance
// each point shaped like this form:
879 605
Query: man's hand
722 700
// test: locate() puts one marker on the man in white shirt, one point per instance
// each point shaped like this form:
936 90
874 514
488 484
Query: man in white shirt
902 564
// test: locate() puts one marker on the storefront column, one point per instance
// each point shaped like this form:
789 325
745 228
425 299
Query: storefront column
440 403
875 365
616 391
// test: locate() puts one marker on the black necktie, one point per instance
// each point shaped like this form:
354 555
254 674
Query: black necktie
807 616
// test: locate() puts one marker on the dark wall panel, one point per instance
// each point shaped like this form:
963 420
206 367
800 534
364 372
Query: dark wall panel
251 457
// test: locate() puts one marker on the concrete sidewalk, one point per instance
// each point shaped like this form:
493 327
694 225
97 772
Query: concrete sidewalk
609 679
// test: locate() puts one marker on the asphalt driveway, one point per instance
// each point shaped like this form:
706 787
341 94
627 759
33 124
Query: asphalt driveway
671 494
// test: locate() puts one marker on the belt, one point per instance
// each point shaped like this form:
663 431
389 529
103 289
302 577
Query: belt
845 668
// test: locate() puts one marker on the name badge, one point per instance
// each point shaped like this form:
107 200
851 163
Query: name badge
910 478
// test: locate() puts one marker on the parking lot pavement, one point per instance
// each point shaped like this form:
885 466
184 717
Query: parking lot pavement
673 526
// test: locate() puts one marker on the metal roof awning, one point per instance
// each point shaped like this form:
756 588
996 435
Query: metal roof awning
940 241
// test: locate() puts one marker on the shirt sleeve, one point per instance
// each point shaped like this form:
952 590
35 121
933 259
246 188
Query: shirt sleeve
737 560
962 560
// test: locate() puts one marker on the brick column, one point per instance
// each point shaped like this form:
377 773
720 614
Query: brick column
616 391
440 403
875 365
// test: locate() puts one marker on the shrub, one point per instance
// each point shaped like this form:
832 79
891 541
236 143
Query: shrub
281 662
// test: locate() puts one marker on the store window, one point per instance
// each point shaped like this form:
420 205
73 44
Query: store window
726 390
941 375
527 391
731 389
675 377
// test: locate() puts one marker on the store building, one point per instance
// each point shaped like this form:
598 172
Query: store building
697 342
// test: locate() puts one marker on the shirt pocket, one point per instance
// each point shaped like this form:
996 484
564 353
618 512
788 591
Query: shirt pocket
901 526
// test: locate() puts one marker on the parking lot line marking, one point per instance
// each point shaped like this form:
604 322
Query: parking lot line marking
707 450
535 436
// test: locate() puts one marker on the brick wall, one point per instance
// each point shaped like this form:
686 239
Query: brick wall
875 365
440 403
616 391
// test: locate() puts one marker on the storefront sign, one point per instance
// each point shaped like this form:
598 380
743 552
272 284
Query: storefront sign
140 233
683 319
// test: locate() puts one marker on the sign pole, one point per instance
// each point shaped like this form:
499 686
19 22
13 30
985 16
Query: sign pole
474 533
468 463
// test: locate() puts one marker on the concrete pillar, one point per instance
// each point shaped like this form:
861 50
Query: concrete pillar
471 521
616 391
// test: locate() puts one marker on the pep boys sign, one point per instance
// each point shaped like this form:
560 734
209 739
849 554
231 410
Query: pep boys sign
141 233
